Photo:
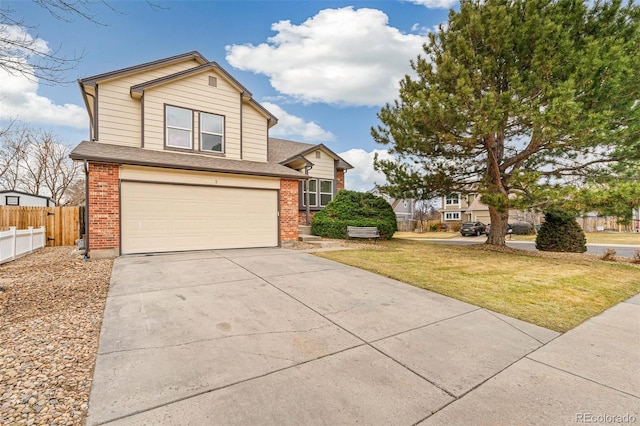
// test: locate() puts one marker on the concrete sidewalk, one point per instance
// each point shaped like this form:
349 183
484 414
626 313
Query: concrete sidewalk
271 336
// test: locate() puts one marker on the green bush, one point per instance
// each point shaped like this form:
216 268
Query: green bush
350 208
561 232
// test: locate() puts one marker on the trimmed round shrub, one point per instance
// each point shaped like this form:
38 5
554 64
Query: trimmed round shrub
351 208
561 232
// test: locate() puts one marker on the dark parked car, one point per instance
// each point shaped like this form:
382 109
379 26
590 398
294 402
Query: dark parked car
472 228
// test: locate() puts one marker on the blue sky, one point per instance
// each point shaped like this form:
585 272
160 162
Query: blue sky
324 68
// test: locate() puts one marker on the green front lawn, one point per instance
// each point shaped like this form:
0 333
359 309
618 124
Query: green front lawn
556 291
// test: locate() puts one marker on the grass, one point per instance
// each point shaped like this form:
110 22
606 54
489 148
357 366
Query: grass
556 291
625 238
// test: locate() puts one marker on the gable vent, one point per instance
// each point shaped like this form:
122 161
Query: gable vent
213 81
318 154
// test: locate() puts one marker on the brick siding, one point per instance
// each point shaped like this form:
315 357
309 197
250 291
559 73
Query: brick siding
104 206
302 217
288 211
339 180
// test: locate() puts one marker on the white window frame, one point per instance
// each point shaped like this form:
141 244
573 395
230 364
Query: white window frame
306 185
317 193
452 216
222 146
168 126
448 200
320 193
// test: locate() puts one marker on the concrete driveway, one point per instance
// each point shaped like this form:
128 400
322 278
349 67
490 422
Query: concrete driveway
273 336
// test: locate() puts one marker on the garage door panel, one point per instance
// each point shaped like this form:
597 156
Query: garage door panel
163 217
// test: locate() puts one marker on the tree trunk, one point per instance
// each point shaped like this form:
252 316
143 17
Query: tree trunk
499 226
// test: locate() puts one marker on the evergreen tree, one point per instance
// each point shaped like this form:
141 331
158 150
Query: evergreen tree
513 98
561 232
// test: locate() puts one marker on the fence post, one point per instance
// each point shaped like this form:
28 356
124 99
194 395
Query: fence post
44 236
30 228
12 229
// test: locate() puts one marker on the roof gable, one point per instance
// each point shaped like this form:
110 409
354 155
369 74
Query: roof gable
11 191
284 152
93 80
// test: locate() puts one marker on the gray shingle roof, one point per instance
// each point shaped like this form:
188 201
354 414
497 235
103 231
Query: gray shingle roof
97 151
281 150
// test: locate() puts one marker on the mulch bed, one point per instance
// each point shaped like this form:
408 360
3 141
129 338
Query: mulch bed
51 307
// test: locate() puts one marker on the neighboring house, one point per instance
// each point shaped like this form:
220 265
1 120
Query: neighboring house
458 208
18 198
179 158
404 208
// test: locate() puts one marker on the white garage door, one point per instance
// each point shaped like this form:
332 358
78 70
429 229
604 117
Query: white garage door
162 217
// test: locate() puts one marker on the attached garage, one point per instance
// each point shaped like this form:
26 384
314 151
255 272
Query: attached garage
163 217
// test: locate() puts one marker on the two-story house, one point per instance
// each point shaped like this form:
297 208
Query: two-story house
457 207
179 158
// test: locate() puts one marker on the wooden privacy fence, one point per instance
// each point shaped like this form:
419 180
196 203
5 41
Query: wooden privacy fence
62 223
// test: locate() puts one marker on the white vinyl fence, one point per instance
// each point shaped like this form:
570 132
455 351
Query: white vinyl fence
15 243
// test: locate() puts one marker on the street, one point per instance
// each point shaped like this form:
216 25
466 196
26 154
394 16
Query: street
597 249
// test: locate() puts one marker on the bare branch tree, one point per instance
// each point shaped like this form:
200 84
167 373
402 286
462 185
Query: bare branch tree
74 195
59 171
29 56
13 144
37 162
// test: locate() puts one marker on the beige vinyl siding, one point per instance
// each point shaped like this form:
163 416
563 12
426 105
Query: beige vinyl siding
193 93
254 134
155 174
323 167
118 113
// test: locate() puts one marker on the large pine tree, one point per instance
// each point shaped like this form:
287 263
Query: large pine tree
512 98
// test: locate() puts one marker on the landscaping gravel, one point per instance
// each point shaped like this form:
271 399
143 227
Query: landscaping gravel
51 307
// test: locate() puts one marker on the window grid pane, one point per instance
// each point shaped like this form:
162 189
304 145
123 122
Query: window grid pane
313 193
211 132
179 138
178 117
326 192
179 127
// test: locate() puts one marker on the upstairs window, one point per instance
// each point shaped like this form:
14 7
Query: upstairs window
179 127
211 132
208 135
453 199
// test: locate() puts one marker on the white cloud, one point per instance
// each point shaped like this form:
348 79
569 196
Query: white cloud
19 99
340 56
16 41
363 177
293 126
435 4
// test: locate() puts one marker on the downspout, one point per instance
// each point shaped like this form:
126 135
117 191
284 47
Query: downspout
306 196
86 209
